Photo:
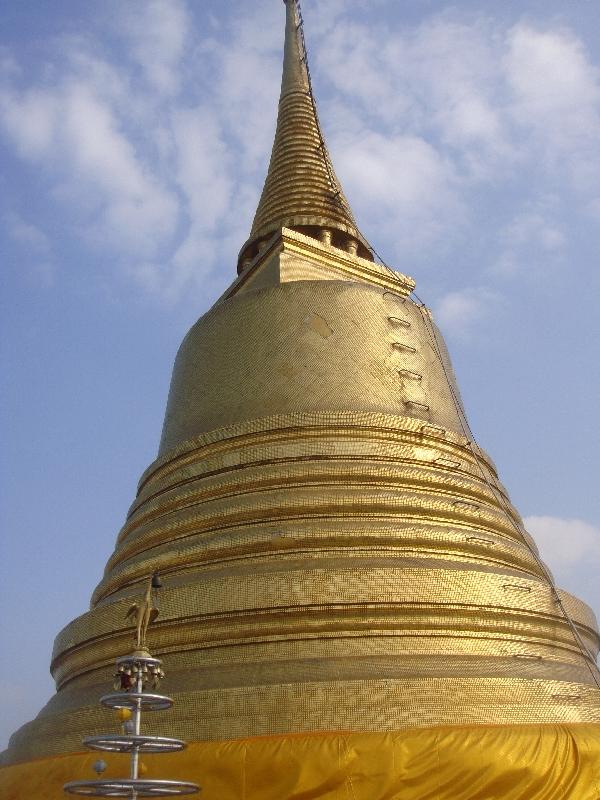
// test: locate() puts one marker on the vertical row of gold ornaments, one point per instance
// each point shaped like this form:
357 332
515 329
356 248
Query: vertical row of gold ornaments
352 607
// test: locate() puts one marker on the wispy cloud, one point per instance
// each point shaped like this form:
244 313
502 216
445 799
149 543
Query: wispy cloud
555 89
140 170
496 96
571 548
459 312
157 31
565 542
76 135
155 135
27 234
38 259
402 186
534 238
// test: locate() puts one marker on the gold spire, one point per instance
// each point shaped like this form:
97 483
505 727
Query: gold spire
301 190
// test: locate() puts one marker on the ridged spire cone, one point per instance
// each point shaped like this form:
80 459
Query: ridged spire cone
301 190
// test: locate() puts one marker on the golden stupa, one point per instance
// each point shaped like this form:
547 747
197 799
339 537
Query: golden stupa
351 606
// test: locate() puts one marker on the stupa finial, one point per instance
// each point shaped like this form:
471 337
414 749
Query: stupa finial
295 76
301 189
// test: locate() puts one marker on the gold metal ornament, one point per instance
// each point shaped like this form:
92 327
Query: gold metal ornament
143 613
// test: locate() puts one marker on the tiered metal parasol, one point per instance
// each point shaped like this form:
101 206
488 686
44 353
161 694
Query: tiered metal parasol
138 676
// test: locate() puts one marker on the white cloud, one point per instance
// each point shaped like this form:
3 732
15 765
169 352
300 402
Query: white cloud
89 132
534 238
71 131
137 207
455 65
245 86
565 542
533 227
203 165
27 234
401 185
157 31
438 79
30 120
203 174
571 548
495 96
555 103
38 263
324 16
459 312
425 118
363 72
556 88
140 172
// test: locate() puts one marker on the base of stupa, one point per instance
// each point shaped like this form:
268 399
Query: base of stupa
530 762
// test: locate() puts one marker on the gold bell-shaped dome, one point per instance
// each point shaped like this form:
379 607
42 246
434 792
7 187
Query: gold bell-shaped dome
351 605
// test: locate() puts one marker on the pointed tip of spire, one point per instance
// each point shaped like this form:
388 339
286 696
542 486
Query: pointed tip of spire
301 190
295 77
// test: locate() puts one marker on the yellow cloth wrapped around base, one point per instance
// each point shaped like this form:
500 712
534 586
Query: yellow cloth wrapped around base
534 762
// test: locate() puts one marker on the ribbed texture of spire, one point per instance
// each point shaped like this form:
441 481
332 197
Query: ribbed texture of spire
301 189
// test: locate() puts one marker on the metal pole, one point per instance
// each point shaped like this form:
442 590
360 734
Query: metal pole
136 725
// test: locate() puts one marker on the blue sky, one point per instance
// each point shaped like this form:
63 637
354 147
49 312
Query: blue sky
134 141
